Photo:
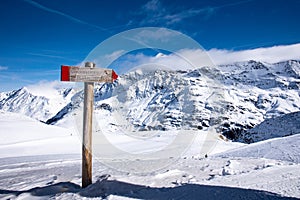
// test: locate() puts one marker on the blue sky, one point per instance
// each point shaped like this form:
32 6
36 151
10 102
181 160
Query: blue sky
38 36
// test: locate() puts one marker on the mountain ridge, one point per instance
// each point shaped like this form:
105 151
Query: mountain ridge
234 97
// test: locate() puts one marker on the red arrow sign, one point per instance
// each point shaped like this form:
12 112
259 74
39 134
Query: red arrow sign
84 74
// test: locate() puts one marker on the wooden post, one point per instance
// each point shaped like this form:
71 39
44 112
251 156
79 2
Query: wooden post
87 130
88 74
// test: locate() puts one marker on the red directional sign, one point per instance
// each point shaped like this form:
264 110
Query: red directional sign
85 74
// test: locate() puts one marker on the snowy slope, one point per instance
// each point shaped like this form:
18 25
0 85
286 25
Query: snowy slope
22 136
52 170
286 149
260 90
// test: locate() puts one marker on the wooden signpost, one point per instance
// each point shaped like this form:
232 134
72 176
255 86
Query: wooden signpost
88 74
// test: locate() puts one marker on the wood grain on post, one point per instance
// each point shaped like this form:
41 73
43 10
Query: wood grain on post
87 131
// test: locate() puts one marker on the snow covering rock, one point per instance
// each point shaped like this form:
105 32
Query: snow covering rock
42 108
234 98
288 124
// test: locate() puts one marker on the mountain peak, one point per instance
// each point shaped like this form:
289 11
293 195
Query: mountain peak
159 55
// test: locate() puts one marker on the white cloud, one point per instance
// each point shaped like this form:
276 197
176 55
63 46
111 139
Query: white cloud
270 54
181 60
48 88
2 68
193 58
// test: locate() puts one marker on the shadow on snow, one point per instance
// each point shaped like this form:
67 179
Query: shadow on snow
104 188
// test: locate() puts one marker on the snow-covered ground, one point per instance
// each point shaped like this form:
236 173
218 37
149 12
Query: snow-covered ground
158 135
23 136
47 165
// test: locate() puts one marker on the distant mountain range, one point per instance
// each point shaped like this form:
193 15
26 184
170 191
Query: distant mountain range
234 98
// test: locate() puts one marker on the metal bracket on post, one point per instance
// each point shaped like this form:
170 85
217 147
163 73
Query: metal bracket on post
87 130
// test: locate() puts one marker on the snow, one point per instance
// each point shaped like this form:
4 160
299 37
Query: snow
43 166
23 136
41 101
152 98
157 136
285 125
286 149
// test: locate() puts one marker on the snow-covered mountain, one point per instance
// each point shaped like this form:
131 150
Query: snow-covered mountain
248 102
34 105
234 98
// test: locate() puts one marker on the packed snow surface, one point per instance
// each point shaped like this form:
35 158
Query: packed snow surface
47 165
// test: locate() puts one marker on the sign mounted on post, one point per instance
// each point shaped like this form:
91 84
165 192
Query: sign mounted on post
87 74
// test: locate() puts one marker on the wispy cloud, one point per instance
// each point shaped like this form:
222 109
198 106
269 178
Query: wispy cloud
114 55
156 13
74 19
174 18
53 56
45 55
14 77
2 68
159 34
